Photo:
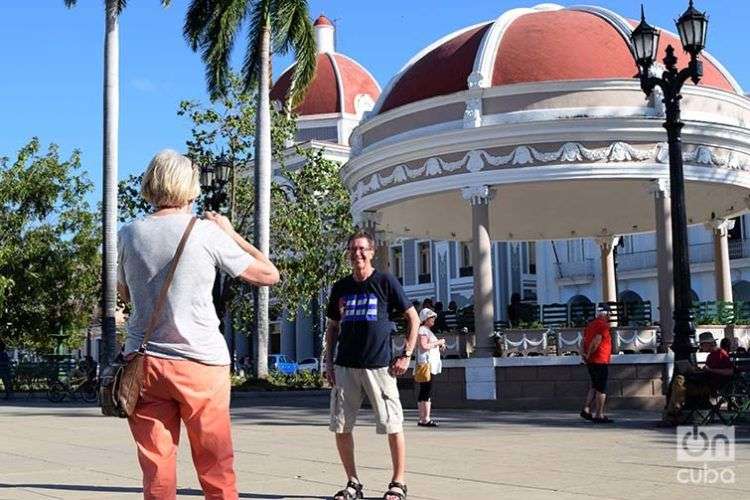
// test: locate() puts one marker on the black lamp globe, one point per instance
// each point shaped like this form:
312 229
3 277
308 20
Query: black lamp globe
221 169
693 26
645 40
207 176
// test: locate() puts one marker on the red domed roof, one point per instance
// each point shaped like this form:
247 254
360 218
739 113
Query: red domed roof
322 21
335 74
547 43
441 71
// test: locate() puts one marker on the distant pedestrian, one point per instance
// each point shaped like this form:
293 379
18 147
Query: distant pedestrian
428 365
6 371
187 360
359 332
515 309
596 352
451 316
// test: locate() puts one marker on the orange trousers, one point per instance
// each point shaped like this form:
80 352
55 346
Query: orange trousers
198 395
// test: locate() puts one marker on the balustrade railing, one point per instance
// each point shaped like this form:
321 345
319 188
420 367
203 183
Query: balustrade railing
699 253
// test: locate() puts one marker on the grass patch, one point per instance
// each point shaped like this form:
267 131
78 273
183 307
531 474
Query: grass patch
277 381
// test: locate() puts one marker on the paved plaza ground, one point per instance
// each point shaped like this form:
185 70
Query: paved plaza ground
284 451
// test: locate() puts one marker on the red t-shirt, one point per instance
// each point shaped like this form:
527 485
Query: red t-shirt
599 326
718 359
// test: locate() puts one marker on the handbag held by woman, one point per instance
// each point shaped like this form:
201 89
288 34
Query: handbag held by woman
422 372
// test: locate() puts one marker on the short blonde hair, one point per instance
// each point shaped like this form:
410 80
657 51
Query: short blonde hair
170 180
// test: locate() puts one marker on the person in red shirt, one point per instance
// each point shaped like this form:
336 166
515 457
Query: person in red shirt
597 348
719 368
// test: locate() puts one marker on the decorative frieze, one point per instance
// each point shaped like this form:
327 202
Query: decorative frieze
570 152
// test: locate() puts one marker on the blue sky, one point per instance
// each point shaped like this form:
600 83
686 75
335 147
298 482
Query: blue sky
52 62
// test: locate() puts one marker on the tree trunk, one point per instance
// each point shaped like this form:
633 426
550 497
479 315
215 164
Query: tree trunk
263 199
109 192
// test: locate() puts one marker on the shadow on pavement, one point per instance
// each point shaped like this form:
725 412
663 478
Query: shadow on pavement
133 489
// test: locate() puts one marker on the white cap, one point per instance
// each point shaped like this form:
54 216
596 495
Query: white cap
426 314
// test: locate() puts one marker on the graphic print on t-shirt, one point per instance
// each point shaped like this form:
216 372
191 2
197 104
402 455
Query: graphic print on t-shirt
360 307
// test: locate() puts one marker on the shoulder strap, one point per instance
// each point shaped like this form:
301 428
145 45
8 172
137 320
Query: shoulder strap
165 287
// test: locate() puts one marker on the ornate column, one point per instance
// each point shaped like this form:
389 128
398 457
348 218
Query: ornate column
484 309
663 213
720 229
607 245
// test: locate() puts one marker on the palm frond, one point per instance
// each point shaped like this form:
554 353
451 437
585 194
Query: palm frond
165 3
120 6
258 19
212 26
196 21
70 3
293 30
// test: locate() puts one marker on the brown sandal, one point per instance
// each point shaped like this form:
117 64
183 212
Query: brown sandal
391 492
346 493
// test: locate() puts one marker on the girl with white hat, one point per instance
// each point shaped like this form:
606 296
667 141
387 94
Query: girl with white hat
428 364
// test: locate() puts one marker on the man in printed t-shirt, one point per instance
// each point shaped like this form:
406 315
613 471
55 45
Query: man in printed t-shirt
359 331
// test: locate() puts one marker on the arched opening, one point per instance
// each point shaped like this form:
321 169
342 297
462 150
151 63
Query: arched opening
579 299
629 296
582 310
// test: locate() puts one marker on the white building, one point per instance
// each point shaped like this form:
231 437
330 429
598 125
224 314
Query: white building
530 133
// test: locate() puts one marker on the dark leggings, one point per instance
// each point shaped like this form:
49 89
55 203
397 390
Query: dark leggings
425 391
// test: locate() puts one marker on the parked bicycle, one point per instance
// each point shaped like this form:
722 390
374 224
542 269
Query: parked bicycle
77 386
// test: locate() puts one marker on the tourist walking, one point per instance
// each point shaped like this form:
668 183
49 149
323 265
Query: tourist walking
596 352
427 366
358 331
187 361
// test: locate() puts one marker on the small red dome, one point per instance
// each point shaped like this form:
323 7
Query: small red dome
334 74
322 21
543 44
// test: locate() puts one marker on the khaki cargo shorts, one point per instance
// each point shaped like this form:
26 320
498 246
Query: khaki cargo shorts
381 390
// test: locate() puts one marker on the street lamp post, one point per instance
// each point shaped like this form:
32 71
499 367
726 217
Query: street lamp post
214 178
692 27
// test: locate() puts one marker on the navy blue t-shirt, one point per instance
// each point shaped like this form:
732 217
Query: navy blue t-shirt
363 310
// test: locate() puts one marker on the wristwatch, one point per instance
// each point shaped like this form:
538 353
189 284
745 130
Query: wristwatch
407 354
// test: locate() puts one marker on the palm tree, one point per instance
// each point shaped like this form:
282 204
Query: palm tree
112 11
211 26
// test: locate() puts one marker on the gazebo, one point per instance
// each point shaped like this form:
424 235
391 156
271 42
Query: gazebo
532 127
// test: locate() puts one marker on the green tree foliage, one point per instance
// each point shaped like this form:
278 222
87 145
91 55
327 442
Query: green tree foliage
310 219
310 224
49 247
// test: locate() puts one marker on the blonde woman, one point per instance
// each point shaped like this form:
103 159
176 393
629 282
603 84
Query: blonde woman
187 361
428 351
